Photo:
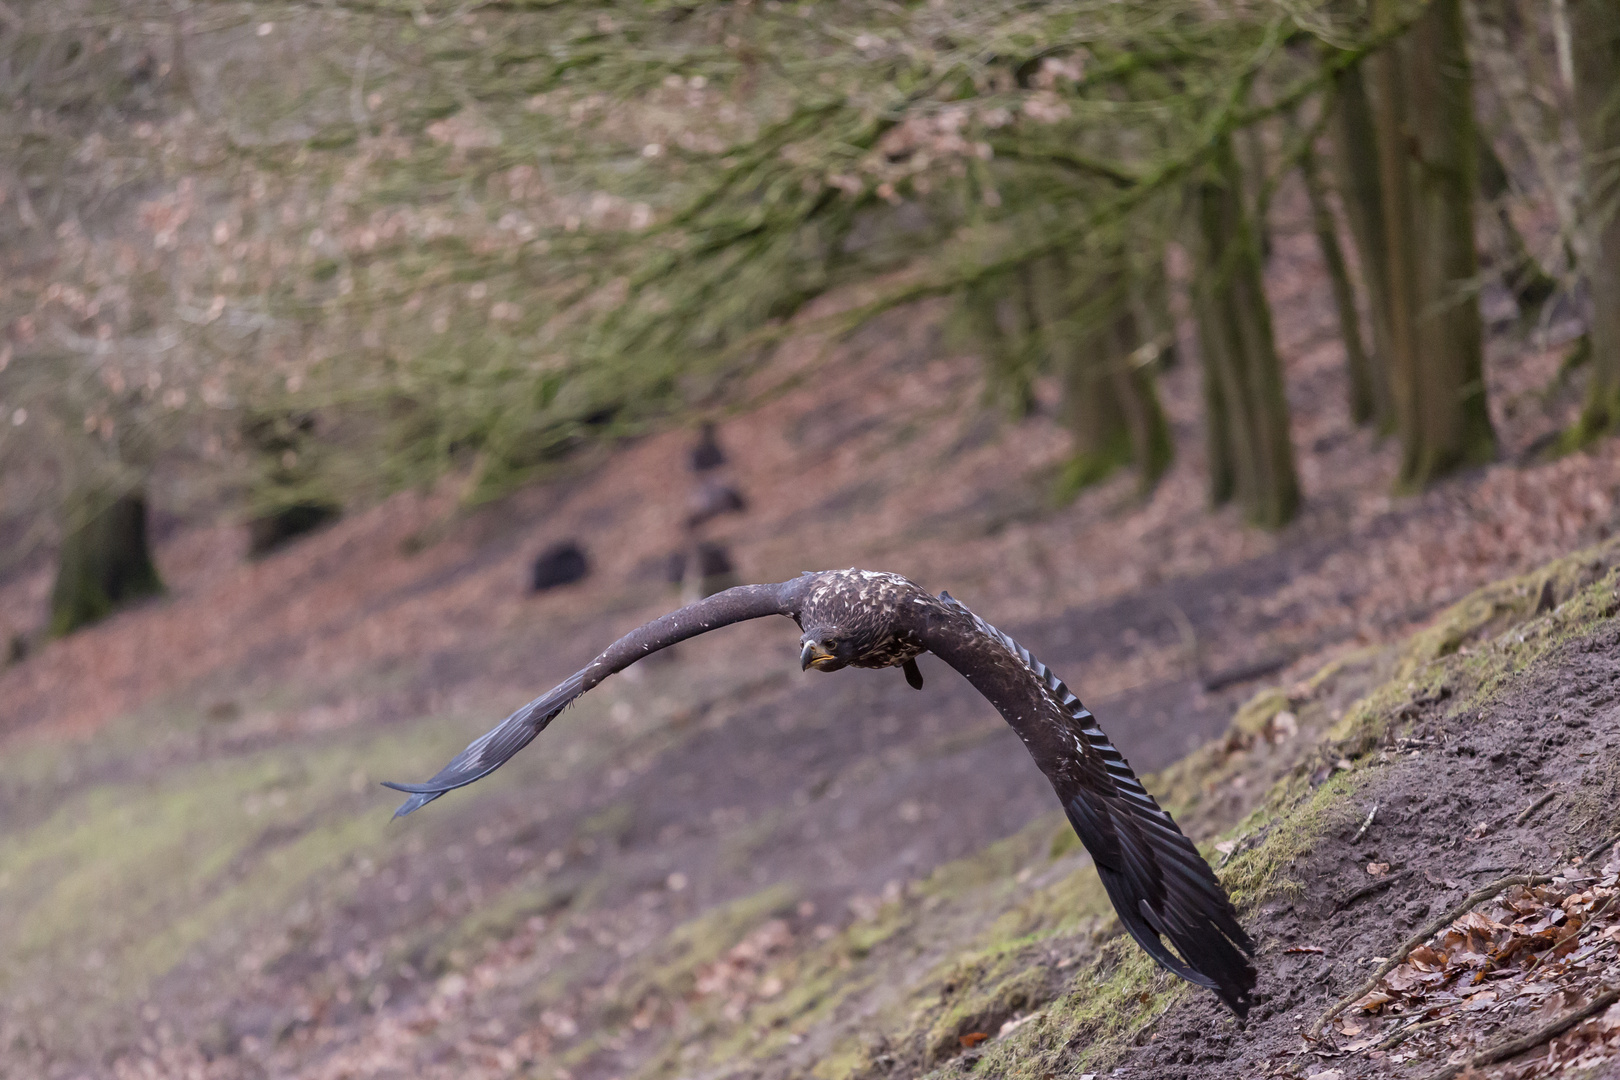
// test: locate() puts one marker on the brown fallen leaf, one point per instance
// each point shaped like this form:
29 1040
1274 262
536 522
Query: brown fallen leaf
1578 901
1373 1001
1378 869
972 1039
1405 978
1425 959
1476 921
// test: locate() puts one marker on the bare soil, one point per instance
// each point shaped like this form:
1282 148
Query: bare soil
1439 821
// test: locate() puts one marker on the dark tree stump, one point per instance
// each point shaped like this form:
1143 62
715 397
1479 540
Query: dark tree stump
105 562
271 531
561 564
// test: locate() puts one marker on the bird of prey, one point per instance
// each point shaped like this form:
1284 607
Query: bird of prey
1161 887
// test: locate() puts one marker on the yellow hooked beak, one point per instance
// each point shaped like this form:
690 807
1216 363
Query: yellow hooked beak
814 656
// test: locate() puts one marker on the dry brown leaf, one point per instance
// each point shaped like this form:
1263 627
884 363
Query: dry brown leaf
1476 921
1551 918
1406 978
1426 959
972 1039
1578 901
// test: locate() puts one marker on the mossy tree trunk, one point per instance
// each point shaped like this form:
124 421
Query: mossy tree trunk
105 561
1252 458
1221 461
1104 361
1252 142
1134 352
1152 306
1082 359
995 313
1595 38
1427 162
1363 378
1355 139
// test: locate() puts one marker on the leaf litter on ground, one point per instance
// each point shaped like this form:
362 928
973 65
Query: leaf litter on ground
1514 964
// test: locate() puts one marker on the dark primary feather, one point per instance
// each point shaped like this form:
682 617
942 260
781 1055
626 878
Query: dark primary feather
1159 884
491 750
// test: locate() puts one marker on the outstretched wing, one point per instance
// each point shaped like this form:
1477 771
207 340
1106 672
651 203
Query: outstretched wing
491 750
1160 885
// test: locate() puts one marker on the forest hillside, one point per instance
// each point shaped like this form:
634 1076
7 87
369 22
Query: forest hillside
367 367
719 865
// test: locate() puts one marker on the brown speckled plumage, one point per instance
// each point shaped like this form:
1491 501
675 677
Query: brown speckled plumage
1159 884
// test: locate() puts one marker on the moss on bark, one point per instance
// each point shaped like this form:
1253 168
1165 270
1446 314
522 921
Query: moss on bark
1596 39
1251 456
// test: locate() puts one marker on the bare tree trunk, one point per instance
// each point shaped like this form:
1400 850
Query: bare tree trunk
1400 260
1355 139
1363 397
1088 409
1223 470
105 561
1534 109
1252 141
1521 271
1243 377
1426 164
1132 354
1152 307
1110 404
1595 43
1455 429
996 315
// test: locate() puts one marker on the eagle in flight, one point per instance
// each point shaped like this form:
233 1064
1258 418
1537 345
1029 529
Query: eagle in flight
1161 887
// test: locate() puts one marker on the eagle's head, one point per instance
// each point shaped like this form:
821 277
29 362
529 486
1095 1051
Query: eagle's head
827 648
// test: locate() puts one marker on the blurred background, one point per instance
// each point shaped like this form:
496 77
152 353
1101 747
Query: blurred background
366 367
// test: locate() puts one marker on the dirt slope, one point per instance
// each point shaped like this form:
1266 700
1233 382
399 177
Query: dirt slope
1500 758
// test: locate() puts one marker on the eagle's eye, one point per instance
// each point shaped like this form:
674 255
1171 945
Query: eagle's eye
829 644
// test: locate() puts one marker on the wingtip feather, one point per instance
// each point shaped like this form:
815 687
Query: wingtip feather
415 802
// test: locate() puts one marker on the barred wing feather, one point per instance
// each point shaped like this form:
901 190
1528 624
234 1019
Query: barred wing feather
1162 888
